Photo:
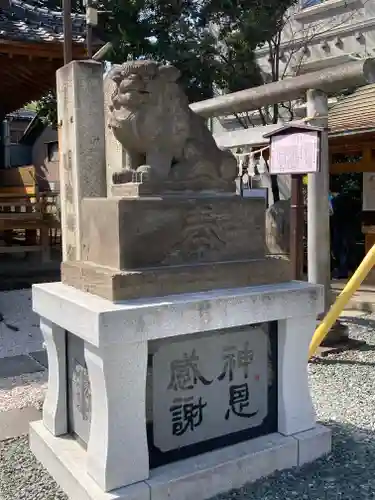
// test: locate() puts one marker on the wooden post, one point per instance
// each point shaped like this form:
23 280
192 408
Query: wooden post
68 43
88 32
45 243
297 227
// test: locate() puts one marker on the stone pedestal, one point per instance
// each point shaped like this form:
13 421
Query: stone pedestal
149 246
262 334
177 350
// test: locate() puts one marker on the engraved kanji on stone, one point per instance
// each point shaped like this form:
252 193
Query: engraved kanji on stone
234 358
245 358
185 373
229 358
69 193
239 400
186 415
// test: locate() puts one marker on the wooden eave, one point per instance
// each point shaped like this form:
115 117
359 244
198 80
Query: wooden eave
28 70
362 144
49 50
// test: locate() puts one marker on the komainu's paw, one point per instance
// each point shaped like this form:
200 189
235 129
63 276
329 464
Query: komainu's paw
123 177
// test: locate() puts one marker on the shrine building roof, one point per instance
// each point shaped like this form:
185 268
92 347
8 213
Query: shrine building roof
30 21
354 113
31 50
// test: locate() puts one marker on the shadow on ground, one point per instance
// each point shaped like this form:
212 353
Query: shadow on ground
24 271
358 321
348 473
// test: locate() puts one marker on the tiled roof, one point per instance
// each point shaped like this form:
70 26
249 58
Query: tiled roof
29 21
355 112
22 114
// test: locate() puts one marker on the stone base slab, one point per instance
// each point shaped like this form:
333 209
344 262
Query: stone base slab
148 188
135 183
117 285
65 460
200 477
15 423
313 444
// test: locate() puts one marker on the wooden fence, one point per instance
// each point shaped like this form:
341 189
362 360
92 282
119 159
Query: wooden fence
29 220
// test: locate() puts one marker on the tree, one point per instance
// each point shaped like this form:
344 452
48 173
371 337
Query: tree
46 109
288 48
212 42
285 47
241 27
171 32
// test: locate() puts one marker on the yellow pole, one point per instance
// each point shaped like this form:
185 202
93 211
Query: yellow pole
337 307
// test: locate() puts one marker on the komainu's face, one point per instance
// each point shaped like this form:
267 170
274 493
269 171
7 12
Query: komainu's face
142 84
136 85
134 91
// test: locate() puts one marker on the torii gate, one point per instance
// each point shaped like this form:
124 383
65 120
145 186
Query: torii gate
315 86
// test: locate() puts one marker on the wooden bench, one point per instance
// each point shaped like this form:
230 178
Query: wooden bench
27 217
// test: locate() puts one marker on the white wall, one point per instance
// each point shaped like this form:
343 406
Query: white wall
332 30
47 170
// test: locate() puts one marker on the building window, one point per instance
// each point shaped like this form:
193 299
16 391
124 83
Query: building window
53 151
309 3
15 136
16 129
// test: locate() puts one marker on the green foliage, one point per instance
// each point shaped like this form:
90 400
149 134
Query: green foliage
32 106
212 42
166 31
46 109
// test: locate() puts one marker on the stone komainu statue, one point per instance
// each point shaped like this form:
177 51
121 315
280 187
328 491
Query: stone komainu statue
150 116
278 228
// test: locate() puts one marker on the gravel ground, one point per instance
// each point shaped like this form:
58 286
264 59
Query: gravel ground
22 391
344 396
15 307
21 477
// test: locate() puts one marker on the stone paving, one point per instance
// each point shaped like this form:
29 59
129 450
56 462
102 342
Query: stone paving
23 363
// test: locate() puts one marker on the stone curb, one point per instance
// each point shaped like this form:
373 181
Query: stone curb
15 423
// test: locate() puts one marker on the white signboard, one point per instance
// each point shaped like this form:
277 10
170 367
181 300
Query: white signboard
368 202
209 387
295 153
